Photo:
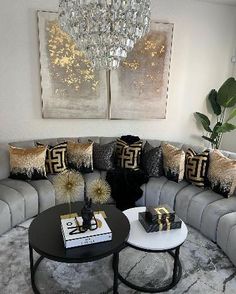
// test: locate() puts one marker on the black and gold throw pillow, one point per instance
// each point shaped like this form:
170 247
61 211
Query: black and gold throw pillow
173 162
55 158
27 163
103 156
80 156
196 167
152 160
222 174
128 155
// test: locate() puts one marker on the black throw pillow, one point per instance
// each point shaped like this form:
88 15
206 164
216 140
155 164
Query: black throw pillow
152 160
103 156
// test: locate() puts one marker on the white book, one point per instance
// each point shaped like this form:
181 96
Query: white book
73 237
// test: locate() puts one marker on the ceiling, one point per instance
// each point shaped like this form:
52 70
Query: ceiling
225 2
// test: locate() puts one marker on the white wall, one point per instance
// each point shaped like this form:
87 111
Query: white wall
229 139
202 49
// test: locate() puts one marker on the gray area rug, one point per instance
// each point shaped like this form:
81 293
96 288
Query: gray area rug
205 269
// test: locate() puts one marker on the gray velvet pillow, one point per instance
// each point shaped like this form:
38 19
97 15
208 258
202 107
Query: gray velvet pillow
152 160
103 156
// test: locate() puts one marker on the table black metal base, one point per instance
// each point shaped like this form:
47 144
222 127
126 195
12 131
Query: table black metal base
177 273
34 266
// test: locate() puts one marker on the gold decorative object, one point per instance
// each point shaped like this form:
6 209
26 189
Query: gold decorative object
99 191
68 186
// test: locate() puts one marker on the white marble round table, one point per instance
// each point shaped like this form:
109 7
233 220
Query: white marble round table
156 242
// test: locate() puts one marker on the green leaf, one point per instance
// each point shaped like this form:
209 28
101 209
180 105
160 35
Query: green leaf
204 121
214 104
208 139
215 131
232 114
226 127
227 93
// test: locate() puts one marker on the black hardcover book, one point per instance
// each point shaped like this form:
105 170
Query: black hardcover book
150 226
161 212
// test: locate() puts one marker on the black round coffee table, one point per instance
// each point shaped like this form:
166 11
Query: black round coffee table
46 239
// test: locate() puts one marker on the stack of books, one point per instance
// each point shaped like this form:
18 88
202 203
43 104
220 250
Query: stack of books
160 218
73 237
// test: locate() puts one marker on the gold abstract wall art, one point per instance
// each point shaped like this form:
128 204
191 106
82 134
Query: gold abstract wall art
139 87
72 89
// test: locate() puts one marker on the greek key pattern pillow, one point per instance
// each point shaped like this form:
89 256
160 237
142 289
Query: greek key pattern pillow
55 158
27 163
128 156
80 156
152 160
173 162
222 174
196 167
103 156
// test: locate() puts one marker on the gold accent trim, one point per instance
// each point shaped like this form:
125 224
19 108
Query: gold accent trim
69 215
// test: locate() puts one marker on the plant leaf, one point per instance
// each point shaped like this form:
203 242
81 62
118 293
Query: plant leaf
204 121
232 115
215 131
213 100
208 139
226 127
227 93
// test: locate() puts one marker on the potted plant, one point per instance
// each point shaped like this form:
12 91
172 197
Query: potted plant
222 103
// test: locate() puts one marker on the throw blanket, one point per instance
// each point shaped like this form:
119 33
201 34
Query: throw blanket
125 186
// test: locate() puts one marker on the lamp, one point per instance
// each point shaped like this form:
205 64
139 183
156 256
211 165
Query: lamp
106 30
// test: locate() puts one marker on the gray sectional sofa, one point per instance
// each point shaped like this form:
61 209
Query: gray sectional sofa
208 212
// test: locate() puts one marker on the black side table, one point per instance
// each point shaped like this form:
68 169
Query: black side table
45 238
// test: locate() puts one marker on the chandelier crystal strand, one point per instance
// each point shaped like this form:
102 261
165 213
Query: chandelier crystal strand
106 30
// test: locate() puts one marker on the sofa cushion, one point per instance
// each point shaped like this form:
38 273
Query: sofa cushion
197 206
226 223
46 194
183 200
212 214
169 192
5 217
231 245
152 191
15 202
28 193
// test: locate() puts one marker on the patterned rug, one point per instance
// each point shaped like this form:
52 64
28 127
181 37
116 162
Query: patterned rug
205 269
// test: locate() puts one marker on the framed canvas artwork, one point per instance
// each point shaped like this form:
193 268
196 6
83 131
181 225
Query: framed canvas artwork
139 87
71 88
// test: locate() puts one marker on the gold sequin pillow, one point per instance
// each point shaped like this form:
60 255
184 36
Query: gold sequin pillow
27 163
173 162
222 174
80 156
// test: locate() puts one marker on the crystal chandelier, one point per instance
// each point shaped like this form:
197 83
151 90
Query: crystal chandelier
105 29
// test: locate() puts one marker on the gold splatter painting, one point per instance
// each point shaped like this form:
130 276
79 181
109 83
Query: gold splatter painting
71 88
139 87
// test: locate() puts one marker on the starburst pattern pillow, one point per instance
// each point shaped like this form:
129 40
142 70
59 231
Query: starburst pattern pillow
80 156
222 174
